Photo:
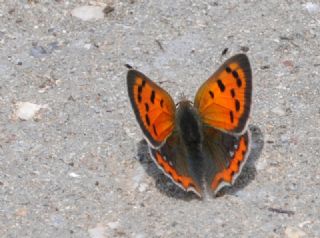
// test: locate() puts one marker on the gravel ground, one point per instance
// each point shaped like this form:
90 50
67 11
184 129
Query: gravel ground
78 167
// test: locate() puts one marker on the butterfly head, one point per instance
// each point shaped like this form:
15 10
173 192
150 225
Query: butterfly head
182 99
184 103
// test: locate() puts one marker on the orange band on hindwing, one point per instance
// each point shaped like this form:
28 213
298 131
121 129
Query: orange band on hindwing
183 181
228 174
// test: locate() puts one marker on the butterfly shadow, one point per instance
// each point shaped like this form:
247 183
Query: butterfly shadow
167 187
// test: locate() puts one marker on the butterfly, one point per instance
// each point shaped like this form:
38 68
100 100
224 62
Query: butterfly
202 145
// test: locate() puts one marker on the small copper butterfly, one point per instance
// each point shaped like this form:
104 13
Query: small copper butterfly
201 146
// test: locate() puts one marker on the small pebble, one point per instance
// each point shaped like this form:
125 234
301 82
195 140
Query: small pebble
312 8
26 110
284 138
244 49
108 9
52 46
38 51
293 232
57 220
21 212
87 46
74 175
97 232
279 111
143 187
113 225
88 13
140 235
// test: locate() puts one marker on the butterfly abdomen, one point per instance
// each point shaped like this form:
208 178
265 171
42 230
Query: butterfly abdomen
189 125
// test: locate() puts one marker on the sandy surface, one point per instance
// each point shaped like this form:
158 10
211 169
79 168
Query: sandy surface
78 166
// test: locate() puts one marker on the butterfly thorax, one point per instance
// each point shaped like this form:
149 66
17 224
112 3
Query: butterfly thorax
189 124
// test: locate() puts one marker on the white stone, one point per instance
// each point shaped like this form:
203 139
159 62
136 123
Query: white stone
312 8
261 164
97 232
293 232
113 225
279 111
26 110
143 187
74 175
87 46
88 13
302 224
140 235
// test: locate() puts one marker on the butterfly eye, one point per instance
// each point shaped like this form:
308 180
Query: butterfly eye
128 66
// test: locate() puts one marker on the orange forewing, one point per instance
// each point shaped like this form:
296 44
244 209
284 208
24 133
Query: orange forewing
229 174
153 107
224 100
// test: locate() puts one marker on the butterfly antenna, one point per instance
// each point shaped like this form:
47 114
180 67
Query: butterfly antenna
183 98
128 66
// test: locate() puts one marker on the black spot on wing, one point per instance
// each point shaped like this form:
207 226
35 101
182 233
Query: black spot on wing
139 98
231 116
155 130
211 94
147 120
147 107
235 74
237 103
233 94
221 85
239 82
152 97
